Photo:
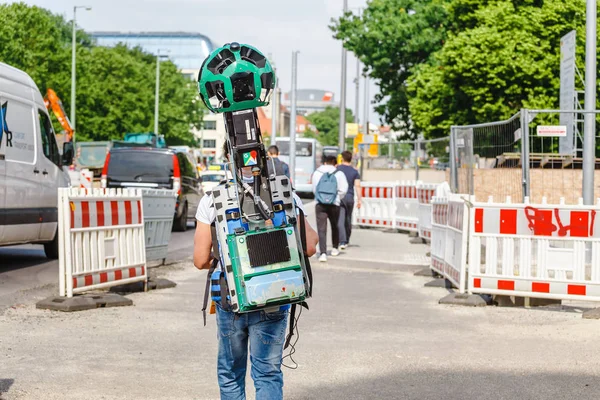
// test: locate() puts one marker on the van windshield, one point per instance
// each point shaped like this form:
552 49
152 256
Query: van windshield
140 167
303 149
91 156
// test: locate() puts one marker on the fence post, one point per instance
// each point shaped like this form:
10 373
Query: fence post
525 152
453 169
417 152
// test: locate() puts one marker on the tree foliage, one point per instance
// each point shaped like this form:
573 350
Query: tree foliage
390 38
115 86
451 62
506 58
327 124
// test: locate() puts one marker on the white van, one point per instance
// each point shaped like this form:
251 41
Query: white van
30 165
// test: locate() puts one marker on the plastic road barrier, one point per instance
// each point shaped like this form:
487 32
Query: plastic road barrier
406 206
425 191
101 239
535 250
159 206
377 205
449 239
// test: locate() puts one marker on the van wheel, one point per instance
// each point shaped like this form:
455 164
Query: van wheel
180 223
51 248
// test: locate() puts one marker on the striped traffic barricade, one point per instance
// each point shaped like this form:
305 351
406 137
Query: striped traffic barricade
425 192
101 239
534 250
406 206
377 208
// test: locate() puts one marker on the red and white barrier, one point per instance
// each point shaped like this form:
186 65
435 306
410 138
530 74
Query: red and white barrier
377 205
449 239
101 239
425 192
407 206
535 250
86 179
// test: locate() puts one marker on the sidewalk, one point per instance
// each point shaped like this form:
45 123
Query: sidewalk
376 248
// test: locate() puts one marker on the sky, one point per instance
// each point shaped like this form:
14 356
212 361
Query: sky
275 27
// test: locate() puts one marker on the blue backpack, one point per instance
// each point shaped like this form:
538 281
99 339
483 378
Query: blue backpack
326 192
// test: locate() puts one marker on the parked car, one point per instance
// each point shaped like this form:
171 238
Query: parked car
144 167
30 165
210 179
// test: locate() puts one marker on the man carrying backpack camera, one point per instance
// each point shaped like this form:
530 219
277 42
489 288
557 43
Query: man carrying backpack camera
330 187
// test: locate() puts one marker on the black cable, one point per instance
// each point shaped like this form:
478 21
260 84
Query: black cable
293 345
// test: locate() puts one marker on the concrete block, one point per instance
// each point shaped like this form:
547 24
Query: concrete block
135 287
428 272
516 301
160 283
463 299
440 283
413 234
591 314
83 302
416 240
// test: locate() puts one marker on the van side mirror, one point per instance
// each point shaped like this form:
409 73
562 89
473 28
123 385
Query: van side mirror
68 153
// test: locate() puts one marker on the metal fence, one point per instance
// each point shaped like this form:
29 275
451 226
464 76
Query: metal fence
520 157
486 158
427 160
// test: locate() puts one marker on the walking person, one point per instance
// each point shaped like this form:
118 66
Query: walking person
329 187
281 167
240 334
347 205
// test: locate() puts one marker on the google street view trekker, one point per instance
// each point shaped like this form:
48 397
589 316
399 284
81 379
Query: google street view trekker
252 234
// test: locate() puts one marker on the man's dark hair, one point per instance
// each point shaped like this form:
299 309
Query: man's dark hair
330 160
225 150
274 150
346 156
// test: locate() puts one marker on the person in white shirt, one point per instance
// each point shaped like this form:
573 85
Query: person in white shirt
328 205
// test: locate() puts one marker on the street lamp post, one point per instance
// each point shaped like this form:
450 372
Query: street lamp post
342 125
294 94
73 62
156 95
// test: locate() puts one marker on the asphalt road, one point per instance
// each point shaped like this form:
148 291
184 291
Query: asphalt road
24 269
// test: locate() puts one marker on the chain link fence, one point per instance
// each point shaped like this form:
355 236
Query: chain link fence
487 159
426 160
521 157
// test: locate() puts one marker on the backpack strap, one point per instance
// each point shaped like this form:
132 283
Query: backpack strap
213 266
290 334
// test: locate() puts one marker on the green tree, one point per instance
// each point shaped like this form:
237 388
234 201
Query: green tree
115 86
327 124
507 57
390 38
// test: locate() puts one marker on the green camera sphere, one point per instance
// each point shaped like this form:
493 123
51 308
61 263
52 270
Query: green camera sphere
235 77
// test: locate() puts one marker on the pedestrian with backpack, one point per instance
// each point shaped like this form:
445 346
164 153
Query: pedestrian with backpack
329 187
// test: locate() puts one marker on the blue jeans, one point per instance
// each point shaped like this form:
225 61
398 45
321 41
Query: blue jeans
265 333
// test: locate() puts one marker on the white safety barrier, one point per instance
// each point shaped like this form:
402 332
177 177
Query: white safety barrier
540 251
159 208
377 205
449 239
425 191
86 179
101 239
407 206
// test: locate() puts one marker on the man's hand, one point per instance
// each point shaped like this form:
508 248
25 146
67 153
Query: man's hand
358 203
202 246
